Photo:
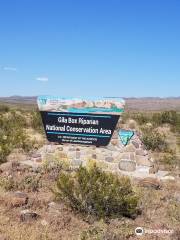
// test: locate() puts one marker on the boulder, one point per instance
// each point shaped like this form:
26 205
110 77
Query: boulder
94 156
129 148
125 156
28 215
177 196
114 142
168 178
17 199
5 167
135 143
36 155
150 182
144 161
109 159
127 165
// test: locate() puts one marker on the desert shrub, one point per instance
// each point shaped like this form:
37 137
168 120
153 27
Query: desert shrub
169 159
30 183
156 118
7 183
174 211
4 108
12 134
169 117
36 120
153 140
141 118
55 162
93 192
107 232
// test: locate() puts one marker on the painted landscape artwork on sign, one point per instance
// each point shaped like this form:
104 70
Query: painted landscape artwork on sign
80 121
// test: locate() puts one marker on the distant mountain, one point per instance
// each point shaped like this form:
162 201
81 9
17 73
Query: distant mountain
132 103
19 99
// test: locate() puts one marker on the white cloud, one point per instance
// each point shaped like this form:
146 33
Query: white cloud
42 79
7 68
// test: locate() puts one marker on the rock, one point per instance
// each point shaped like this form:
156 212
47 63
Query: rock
72 149
109 159
129 148
150 183
141 152
4 167
167 178
78 154
153 169
144 161
115 135
177 196
28 215
35 167
127 165
135 143
125 156
60 148
114 142
36 155
18 199
132 156
38 160
94 156
76 162
110 147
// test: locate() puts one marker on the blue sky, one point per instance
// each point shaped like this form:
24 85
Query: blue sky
90 48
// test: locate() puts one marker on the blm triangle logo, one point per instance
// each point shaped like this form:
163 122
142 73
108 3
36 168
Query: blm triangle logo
125 136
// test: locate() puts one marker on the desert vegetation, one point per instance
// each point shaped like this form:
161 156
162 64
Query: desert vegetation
97 193
13 126
160 133
85 203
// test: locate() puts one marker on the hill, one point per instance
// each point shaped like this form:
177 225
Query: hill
140 104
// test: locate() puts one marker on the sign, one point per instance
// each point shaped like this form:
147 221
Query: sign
79 121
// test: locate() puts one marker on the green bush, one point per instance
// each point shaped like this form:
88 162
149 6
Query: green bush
157 118
142 118
4 108
36 121
12 134
169 160
170 117
97 193
153 140
7 183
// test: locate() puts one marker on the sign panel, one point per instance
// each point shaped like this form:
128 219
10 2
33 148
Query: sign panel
78 121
